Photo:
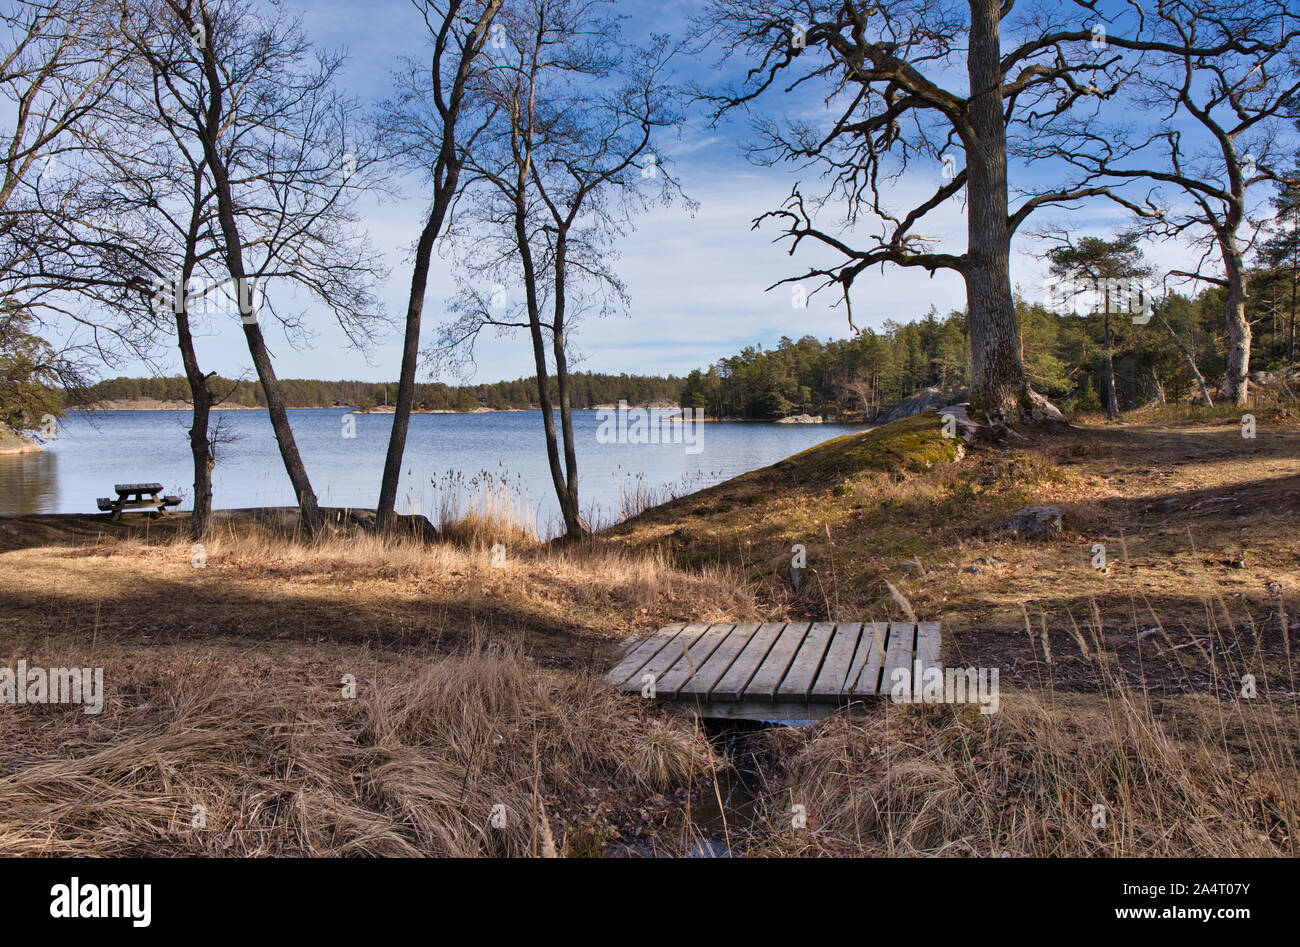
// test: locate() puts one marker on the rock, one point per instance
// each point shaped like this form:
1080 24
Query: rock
927 399
908 566
418 526
1288 375
801 419
972 570
1032 521
11 442
990 561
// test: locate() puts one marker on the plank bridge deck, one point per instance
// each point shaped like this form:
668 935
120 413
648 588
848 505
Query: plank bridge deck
773 670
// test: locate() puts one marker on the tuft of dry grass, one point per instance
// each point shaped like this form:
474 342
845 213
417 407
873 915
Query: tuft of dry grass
484 510
668 756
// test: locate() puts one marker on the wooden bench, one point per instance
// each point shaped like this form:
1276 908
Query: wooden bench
137 496
775 670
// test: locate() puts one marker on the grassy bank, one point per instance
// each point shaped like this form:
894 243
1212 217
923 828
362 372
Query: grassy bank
477 684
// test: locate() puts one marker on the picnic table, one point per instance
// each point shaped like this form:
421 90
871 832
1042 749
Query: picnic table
137 496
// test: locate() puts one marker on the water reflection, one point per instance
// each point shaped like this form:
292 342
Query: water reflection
28 482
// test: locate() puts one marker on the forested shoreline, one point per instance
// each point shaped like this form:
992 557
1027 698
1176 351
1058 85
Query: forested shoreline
588 390
1064 353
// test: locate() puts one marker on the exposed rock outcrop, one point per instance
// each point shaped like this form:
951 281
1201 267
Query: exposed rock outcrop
11 442
927 399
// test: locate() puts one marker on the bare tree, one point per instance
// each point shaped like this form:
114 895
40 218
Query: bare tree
420 125
55 66
145 245
280 153
567 160
1218 76
884 69
59 60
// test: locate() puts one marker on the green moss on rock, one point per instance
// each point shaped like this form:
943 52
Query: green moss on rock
913 444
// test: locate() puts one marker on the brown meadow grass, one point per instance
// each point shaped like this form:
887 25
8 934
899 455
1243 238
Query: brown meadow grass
478 685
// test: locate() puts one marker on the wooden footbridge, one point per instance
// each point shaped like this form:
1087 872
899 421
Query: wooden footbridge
773 670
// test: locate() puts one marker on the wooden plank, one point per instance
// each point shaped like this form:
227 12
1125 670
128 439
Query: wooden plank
929 649
898 654
772 671
733 683
699 653
866 643
869 677
838 663
807 663
929 646
664 660
127 488
720 662
642 652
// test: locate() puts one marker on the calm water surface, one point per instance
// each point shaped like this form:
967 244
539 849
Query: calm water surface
446 455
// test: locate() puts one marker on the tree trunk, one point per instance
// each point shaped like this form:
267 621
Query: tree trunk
406 380
539 344
999 386
574 526
312 520
1290 348
1112 400
200 396
1237 379
548 419
200 448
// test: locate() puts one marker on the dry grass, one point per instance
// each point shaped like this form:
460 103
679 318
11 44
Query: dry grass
479 681
567 605
415 765
1115 773
1028 781
482 511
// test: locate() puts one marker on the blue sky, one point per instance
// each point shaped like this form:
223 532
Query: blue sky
697 282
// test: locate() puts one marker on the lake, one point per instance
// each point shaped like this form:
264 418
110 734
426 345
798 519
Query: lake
447 455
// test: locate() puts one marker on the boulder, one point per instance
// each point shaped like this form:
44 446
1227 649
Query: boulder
1032 521
417 526
927 399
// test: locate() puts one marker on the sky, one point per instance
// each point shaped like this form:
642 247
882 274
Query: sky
697 281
